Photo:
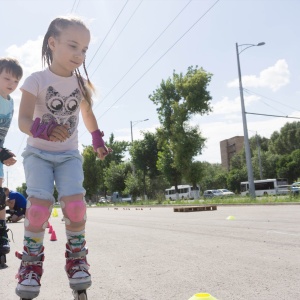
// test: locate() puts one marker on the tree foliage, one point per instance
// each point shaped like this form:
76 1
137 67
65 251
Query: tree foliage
287 140
178 99
116 175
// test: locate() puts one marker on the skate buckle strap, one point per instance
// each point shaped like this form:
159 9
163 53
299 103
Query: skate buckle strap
29 258
79 254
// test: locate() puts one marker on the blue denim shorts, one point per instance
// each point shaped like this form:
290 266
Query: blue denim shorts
43 169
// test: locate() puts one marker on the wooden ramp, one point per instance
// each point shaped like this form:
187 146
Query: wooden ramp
194 208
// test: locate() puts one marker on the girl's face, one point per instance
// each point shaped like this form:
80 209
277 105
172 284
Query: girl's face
8 83
69 49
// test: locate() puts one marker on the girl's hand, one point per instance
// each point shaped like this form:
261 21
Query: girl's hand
102 152
60 133
10 161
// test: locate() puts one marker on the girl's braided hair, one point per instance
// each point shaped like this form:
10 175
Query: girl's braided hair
54 30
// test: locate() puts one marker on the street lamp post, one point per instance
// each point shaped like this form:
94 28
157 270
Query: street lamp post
132 123
246 138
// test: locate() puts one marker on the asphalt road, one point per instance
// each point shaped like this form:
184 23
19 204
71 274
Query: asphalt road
158 254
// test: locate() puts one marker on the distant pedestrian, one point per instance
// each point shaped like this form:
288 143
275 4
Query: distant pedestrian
17 205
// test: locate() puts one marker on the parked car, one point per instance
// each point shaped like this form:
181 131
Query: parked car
102 200
212 194
284 189
293 189
226 192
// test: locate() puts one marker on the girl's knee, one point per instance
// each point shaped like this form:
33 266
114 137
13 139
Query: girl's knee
37 214
74 209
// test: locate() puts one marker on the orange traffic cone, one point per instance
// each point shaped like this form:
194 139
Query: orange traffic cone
50 229
53 236
48 225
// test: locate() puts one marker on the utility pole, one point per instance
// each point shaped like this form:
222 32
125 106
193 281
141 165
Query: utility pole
259 158
246 138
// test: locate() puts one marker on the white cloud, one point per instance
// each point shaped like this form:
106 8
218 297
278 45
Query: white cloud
273 77
227 106
28 55
219 131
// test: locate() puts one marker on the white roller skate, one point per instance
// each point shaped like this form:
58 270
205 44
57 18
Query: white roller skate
29 274
77 271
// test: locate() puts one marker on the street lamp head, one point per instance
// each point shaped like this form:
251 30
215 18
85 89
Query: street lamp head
261 44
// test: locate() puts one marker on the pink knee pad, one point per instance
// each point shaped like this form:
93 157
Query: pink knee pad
37 215
75 210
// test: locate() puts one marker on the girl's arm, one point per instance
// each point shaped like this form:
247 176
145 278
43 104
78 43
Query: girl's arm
91 124
57 133
26 111
88 117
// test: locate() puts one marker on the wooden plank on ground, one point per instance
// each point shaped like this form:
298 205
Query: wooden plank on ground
194 208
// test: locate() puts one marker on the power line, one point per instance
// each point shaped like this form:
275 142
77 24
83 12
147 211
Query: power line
149 47
117 38
284 104
249 113
108 32
200 18
21 144
73 7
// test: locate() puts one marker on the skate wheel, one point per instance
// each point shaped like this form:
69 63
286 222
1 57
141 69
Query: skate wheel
80 295
2 261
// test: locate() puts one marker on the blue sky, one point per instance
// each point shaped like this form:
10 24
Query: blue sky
136 44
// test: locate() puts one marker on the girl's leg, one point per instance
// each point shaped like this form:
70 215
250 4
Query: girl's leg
38 169
68 174
36 220
74 210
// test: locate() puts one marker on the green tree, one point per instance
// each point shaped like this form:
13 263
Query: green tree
287 140
115 176
195 173
137 185
95 169
214 177
178 99
288 166
144 155
22 190
91 171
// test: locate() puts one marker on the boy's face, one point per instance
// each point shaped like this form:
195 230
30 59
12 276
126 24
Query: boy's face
8 83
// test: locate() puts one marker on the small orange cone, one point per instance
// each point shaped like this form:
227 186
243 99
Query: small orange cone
53 236
48 226
50 229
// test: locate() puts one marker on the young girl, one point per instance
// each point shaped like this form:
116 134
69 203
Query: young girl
49 114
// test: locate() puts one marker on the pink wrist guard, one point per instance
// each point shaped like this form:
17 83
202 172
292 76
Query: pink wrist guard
97 139
42 130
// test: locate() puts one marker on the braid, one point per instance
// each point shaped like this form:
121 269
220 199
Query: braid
85 91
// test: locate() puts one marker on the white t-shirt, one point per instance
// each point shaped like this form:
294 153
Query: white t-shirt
59 98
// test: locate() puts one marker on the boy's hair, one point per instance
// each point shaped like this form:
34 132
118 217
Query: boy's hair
54 30
12 66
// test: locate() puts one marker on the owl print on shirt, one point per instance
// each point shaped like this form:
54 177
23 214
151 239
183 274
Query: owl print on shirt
62 108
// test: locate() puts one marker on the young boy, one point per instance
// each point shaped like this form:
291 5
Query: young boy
17 205
10 74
